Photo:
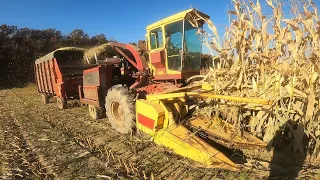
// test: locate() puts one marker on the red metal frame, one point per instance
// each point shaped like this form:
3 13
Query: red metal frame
182 75
50 80
136 55
146 121
158 59
91 70
95 103
133 50
157 88
90 94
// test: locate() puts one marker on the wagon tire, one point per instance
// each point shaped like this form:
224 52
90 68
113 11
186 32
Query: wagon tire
45 98
120 109
62 103
96 112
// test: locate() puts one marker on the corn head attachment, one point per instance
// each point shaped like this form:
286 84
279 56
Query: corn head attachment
163 116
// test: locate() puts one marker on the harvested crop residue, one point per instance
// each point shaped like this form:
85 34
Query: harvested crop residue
42 141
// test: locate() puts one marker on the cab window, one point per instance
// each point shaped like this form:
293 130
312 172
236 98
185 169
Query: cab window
156 40
174 33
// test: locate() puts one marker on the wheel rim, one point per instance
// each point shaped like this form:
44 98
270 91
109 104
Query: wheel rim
117 113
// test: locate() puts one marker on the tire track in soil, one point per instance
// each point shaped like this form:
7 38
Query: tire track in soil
131 159
123 157
22 160
119 163
36 128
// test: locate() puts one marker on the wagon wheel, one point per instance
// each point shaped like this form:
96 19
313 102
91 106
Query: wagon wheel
45 98
96 112
62 103
120 109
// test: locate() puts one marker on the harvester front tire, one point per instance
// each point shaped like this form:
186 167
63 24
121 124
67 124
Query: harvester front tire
120 109
62 103
45 98
96 112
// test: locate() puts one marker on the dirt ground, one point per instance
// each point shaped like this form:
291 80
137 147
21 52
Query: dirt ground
40 141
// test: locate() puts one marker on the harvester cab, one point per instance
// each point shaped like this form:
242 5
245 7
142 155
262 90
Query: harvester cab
174 46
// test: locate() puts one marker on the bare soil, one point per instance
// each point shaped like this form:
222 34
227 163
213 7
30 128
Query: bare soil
40 141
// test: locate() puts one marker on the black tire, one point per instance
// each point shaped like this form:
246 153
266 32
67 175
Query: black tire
62 103
45 98
96 112
120 109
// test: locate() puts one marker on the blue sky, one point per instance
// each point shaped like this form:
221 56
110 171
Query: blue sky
122 20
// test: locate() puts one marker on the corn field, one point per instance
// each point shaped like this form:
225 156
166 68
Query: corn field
272 57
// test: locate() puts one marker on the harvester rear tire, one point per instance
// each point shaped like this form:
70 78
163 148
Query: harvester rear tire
96 112
62 103
120 109
45 98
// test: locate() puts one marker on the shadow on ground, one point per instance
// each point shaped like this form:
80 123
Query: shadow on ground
285 163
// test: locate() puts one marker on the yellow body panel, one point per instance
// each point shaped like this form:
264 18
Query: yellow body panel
168 120
184 143
168 109
163 48
237 99
169 19
190 13
206 86
153 97
226 134
177 137
163 96
151 110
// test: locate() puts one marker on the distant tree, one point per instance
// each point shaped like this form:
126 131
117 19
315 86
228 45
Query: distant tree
133 43
19 48
206 61
79 38
6 53
78 34
99 39
7 31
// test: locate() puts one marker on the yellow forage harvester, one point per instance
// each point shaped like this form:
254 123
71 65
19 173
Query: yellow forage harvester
258 83
163 116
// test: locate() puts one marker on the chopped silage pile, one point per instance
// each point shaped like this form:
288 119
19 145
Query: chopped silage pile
102 52
73 60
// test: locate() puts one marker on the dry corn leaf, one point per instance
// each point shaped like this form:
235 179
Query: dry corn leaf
254 85
310 107
232 12
269 2
274 55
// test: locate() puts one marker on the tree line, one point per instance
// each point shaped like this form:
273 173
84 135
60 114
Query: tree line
20 47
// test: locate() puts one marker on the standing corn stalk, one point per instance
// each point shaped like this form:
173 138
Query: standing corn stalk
272 57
